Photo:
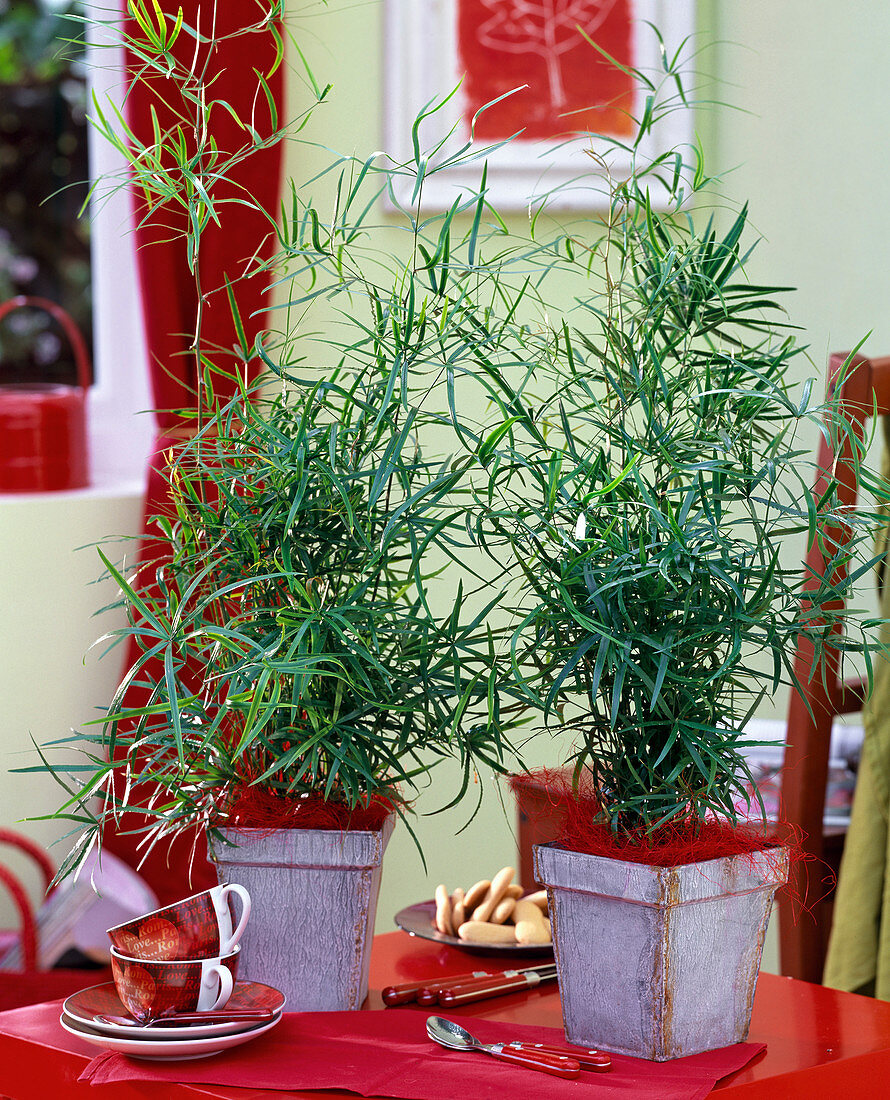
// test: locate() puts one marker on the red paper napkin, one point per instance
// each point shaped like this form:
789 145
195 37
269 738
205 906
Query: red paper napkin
387 1053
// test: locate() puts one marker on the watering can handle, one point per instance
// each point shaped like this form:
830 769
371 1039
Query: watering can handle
81 356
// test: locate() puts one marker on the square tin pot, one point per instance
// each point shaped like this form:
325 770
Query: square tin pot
658 962
314 894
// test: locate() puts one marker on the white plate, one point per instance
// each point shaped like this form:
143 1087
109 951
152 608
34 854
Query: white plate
82 1006
164 1050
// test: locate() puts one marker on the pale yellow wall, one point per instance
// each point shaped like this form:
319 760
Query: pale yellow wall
811 156
49 682
808 150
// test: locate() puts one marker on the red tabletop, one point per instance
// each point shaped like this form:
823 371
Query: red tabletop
819 1042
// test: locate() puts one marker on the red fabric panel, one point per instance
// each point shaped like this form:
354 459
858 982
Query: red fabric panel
170 300
389 1054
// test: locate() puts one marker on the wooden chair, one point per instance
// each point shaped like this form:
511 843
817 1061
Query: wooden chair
804 920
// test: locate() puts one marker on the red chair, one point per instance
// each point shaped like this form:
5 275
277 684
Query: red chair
27 984
805 904
20 899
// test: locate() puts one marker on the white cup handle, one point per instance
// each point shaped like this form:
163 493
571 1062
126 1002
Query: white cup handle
234 888
226 985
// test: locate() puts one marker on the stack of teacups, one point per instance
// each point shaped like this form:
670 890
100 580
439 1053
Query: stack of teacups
182 958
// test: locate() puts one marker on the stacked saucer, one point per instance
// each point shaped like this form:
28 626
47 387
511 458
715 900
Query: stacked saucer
168 1039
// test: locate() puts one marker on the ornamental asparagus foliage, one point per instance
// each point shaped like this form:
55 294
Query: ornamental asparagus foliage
654 511
289 617
630 455
285 637
638 456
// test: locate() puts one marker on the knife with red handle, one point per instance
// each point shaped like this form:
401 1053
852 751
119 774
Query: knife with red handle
596 1060
429 995
407 992
462 993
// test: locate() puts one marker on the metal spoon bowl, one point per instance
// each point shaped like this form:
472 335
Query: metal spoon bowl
449 1034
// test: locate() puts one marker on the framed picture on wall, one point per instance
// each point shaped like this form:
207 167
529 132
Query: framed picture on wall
547 85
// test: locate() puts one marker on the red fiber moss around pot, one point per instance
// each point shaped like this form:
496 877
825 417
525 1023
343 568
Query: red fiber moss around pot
551 802
260 808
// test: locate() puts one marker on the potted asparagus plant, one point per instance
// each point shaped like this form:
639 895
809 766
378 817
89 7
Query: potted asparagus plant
292 687
307 689
655 520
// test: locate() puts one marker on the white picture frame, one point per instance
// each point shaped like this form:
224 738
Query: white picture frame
421 65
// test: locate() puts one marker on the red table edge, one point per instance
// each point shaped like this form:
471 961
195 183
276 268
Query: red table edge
847 1035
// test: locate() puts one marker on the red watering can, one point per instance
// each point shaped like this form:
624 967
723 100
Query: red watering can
43 432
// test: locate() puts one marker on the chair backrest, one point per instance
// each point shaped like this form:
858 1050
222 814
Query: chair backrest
864 387
27 939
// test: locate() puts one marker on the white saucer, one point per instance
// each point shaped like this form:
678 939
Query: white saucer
81 1008
178 1048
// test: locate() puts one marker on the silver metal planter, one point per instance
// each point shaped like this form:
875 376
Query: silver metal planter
314 896
658 962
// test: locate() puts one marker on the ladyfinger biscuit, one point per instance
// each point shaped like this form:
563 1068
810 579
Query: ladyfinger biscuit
503 910
476 893
458 909
539 898
443 910
478 931
496 891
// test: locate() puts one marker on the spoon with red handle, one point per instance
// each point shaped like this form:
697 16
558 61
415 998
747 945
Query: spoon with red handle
219 1016
449 1034
596 1060
462 993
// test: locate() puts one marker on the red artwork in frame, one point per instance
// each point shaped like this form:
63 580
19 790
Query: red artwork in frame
571 87
446 59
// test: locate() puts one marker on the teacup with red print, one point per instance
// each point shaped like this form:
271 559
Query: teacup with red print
199 927
150 988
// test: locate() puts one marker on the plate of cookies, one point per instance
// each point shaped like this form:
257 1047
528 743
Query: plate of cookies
493 916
